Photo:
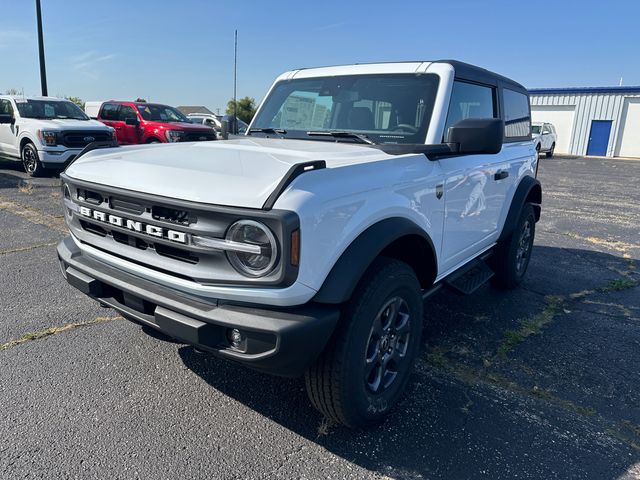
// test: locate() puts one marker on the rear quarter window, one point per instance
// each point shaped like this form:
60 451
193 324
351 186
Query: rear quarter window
517 116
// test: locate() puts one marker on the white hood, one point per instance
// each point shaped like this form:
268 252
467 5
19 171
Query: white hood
241 172
66 124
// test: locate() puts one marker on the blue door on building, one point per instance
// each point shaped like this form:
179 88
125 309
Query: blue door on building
599 137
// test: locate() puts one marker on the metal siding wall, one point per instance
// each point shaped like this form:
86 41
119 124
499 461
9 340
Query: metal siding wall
596 106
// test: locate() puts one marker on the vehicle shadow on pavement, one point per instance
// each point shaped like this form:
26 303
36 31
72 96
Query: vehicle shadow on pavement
537 382
10 181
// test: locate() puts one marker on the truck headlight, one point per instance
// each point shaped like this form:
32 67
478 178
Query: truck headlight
174 135
256 234
48 138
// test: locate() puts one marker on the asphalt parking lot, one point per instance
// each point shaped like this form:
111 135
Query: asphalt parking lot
542 382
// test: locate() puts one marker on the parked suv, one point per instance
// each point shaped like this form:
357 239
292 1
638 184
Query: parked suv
309 245
544 138
45 132
215 122
148 123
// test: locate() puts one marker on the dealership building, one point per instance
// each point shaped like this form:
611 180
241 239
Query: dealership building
599 121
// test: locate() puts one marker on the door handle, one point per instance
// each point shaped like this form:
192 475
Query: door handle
500 175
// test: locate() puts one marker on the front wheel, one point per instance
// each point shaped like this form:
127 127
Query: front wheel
511 257
364 370
31 160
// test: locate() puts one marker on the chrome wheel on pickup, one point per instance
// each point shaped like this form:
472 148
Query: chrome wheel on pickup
31 161
365 368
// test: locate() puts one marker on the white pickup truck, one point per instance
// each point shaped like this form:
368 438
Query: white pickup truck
309 245
46 132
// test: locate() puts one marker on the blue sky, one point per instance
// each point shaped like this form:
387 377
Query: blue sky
181 52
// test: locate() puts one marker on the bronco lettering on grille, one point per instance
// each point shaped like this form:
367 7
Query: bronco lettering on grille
152 230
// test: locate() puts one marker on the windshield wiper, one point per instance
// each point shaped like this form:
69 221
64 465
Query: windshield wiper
276 131
338 134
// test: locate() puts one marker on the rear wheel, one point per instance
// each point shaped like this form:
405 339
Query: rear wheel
31 160
365 368
550 152
511 257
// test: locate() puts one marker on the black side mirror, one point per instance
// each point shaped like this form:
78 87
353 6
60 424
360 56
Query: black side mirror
133 121
477 135
7 119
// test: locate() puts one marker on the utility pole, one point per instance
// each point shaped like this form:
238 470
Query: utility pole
43 70
235 72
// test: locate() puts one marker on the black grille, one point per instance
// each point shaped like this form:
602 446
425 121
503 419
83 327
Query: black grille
125 205
82 138
199 136
171 215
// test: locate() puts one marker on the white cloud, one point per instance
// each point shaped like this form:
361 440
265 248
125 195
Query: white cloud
87 63
11 37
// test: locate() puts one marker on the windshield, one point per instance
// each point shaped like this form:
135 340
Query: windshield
387 108
161 113
536 128
49 109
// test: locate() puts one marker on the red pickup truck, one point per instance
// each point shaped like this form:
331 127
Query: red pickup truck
137 122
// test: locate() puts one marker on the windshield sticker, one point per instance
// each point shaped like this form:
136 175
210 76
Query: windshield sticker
21 100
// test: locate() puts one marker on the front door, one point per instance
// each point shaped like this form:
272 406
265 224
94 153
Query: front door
547 138
8 132
473 196
599 138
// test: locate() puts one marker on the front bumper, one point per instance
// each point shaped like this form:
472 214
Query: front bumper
283 341
55 158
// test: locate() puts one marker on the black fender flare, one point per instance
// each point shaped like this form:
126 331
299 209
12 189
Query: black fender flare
343 278
528 191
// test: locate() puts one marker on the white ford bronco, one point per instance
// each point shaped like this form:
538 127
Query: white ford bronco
46 132
308 246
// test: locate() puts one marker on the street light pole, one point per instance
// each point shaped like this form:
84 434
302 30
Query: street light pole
235 69
43 70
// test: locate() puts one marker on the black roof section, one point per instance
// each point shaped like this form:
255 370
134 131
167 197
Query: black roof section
463 70
466 71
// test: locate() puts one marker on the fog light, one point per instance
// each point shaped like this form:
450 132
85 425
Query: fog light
235 337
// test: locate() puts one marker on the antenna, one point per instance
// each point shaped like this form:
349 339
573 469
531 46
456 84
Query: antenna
620 84
235 77
43 71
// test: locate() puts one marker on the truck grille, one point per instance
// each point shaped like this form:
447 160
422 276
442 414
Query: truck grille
156 232
82 138
199 136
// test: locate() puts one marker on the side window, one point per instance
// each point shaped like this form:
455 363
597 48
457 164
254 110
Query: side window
6 108
126 112
517 118
109 111
470 101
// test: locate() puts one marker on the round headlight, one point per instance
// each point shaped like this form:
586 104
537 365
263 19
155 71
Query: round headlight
252 233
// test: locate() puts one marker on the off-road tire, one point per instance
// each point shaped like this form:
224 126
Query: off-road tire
31 160
336 383
510 261
550 152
